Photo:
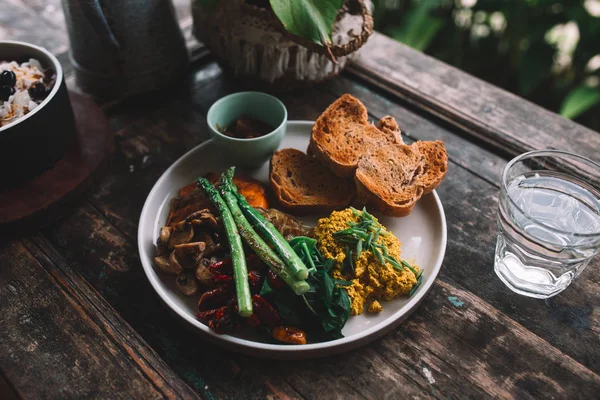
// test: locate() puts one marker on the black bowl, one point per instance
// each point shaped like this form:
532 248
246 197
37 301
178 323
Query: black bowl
34 142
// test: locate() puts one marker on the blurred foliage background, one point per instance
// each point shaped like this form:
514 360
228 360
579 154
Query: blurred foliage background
547 51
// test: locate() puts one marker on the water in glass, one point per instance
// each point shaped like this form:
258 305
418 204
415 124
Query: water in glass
549 229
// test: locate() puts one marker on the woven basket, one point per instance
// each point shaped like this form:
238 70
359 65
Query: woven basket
252 42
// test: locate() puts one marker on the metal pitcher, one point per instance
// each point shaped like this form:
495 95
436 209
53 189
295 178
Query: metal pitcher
120 48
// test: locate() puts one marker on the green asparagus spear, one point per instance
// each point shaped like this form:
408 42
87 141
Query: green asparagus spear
255 242
238 259
271 234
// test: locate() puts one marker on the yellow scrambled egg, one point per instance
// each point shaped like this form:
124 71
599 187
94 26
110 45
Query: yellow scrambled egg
372 281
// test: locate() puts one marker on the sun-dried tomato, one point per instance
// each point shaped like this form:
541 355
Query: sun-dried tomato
266 313
223 267
253 321
215 298
206 316
274 280
221 279
256 279
226 320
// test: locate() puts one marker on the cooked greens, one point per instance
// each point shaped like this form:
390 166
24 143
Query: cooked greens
326 306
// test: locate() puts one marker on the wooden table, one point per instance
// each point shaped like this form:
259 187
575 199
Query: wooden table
79 320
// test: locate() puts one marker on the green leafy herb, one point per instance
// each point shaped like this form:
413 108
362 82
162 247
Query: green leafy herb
420 279
349 260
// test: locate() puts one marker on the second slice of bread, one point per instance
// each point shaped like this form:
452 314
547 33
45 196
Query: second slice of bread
303 185
388 179
435 163
392 178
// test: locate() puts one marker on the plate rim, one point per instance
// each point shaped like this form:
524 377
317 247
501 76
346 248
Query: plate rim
277 350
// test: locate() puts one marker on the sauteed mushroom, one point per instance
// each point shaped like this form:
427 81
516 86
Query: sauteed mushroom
174 262
210 245
202 217
163 241
187 246
165 265
286 224
189 254
204 275
186 283
205 261
183 233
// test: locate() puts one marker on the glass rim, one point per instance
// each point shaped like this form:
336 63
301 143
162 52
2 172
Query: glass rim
538 153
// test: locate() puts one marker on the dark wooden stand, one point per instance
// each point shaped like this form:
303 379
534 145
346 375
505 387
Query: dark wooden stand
43 199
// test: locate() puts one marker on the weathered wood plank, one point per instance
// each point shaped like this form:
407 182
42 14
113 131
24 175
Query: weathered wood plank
497 356
100 311
486 112
470 205
88 239
50 323
6 390
181 349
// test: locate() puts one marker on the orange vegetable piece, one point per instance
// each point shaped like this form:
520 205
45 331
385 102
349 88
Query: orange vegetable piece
289 334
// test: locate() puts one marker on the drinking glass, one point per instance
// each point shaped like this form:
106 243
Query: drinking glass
548 221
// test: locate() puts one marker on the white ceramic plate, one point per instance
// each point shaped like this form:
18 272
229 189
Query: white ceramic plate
422 233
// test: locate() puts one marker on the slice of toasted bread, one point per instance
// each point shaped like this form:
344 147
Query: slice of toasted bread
303 185
388 179
435 164
343 133
392 178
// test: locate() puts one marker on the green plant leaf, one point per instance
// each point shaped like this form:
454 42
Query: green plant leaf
579 100
310 19
418 28
535 66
